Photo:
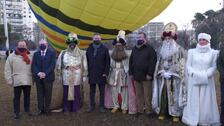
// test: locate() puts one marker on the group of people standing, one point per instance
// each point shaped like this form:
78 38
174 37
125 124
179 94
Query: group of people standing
167 81
22 68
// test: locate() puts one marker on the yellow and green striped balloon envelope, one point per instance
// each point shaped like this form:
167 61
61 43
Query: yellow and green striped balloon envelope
59 17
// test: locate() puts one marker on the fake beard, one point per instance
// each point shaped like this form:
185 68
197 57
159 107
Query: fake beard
118 53
168 49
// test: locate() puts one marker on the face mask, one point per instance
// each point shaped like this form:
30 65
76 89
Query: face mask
122 41
140 42
97 42
42 47
22 49
72 45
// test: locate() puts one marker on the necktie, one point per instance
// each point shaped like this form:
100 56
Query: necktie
42 53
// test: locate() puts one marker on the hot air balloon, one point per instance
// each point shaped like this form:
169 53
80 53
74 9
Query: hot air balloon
59 17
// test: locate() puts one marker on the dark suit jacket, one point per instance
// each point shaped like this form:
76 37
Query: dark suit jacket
98 65
45 64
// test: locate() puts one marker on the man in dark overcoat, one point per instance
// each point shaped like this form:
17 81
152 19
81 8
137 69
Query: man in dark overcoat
98 60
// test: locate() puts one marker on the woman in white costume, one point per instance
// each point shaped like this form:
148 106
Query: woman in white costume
201 107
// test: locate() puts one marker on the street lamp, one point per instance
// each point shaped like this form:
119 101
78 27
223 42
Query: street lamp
222 3
5 25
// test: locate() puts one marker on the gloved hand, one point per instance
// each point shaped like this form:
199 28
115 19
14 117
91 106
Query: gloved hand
84 79
167 75
148 77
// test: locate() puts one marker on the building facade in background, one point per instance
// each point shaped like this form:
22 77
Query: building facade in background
153 31
19 17
38 35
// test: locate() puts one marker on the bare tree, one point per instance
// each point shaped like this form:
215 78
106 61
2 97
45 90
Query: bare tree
212 23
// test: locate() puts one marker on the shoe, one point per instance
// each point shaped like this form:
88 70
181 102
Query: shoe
29 113
114 110
161 117
124 111
16 116
138 114
48 113
102 110
176 119
40 113
57 110
149 113
90 110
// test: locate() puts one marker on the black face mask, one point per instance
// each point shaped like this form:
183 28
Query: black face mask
97 42
122 41
22 49
72 45
140 42
42 47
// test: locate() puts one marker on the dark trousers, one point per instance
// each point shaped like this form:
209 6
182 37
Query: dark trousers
44 93
93 93
16 100
222 99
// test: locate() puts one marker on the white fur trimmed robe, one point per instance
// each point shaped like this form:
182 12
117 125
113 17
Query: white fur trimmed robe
175 86
201 107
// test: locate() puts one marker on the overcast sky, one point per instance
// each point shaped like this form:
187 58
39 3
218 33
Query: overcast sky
182 11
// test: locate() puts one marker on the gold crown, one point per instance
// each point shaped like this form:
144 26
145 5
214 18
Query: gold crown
170 27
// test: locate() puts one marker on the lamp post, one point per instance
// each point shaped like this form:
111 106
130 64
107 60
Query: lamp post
222 3
5 25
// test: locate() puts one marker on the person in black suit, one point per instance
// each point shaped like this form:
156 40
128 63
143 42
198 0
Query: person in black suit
98 60
43 66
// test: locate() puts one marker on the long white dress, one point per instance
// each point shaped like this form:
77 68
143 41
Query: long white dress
201 107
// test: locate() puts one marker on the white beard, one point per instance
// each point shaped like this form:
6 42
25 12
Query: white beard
169 48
